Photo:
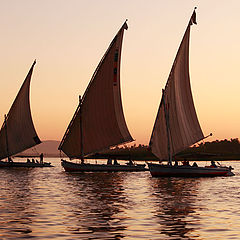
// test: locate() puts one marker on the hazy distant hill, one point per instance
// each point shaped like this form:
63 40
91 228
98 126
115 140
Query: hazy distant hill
49 148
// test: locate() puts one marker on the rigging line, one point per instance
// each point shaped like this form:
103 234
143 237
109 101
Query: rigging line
34 149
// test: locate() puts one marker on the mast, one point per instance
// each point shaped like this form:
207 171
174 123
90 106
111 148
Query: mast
5 123
166 115
81 128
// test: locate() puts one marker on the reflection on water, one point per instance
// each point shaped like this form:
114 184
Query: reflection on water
96 199
16 186
49 203
174 201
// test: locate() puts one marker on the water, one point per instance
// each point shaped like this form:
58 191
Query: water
48 203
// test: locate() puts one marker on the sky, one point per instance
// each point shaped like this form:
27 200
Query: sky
69 37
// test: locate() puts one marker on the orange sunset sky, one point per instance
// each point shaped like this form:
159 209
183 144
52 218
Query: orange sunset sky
69 37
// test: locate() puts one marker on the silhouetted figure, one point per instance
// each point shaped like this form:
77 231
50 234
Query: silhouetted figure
169 163
213 164
41 158
109 161
28 160
33 161
10 159
115 162
185 163
195 164
176 163
130 162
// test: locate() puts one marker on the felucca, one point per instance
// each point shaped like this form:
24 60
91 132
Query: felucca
176 126
98 122
18 133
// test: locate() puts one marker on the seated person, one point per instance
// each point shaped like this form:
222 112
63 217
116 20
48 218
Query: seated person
185 163
130 162
109 161
115 162
213 164
195 164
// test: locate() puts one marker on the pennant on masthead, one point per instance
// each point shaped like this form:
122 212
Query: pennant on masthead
193 19
125 26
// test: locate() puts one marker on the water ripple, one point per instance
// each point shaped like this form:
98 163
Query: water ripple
51 204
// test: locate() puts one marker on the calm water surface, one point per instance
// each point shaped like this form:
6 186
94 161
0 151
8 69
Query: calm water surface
48 203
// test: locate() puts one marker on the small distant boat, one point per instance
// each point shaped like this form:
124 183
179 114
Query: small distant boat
176 126
18 133
98 122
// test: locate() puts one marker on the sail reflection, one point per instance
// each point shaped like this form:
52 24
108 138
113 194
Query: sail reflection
174 203
96 204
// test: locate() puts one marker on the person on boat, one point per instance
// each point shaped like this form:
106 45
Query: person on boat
10 159
185 163
176 163
116 162
195 164
41 158
130 162
213 164
109 161
230 168
28 160
33 161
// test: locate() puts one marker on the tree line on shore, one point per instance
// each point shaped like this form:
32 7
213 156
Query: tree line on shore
218 149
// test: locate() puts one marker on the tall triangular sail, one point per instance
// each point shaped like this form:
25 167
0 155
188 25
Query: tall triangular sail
103 122
18 133
176 122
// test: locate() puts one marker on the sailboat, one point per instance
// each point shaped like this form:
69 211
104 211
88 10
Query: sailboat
176 126
18 133
98 122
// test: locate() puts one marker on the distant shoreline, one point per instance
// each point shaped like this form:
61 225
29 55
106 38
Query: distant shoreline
219 150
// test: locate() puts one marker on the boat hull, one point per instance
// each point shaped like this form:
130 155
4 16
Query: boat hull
158 170
87 167
23 164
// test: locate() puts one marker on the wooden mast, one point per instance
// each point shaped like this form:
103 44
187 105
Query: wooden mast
167 128
81 134
5 123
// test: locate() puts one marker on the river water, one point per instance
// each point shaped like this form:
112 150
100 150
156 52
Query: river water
47 203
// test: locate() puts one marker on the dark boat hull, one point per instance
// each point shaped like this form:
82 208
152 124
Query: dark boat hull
158 170
87 167
23 164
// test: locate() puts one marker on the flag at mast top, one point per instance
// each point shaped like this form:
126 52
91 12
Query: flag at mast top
125 26
193 19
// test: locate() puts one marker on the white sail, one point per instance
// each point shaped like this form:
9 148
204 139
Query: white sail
103 123
177 127
18 133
